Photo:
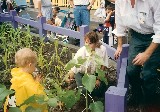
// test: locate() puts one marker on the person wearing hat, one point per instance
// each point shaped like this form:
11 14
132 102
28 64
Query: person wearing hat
142 17
81 11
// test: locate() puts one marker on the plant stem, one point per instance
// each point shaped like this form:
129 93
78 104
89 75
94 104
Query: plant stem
86 101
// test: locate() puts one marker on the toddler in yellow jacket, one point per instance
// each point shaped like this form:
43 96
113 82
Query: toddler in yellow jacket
23 83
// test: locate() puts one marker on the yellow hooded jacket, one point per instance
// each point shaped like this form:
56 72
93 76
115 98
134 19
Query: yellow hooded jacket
25 86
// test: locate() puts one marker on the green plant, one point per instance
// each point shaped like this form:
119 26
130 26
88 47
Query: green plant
4 92
89 79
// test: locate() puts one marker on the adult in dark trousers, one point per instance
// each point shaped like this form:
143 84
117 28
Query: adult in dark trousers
143 18
81 11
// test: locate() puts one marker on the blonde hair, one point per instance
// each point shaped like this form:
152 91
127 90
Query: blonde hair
25 56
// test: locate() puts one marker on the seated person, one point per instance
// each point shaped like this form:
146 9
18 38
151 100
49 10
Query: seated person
56 21
92 41
23 83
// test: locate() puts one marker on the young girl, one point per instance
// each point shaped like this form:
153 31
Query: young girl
92 41
23 82
56 21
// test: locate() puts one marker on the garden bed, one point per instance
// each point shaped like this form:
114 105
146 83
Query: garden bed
52 57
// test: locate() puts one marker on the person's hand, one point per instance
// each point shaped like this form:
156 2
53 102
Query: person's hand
70 77
117 53
89 7
98 83
113 11
39 77
140 59
39 15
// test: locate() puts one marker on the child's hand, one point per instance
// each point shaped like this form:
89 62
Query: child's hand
39 77
98 83
70 77
39 15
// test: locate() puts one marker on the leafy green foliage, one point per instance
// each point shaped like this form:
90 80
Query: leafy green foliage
70 64
4 93
53 102
70 98
97 107
89 82
14 109
40 99
31 109
101 76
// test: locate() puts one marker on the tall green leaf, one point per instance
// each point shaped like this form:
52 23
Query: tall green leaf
70 98
31 109
101 76
89 82
70 64
4 93
40 99
14 109
53 102
96 107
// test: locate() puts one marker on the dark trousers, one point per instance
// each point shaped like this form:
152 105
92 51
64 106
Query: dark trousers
105 35
98 92
144 80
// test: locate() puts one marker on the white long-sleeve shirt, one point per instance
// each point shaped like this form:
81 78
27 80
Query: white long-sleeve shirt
143 18
82 52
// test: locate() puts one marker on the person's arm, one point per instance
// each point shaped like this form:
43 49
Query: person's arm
74 70
71 3
39 9
105 58
90 5
112 1
141 58
119 47
120 28
109 16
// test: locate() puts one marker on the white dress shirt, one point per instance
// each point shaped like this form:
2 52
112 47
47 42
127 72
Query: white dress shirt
82 52
143 18
81 2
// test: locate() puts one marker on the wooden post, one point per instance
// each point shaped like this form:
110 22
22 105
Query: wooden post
13 13
83 30
115 99
123 55
42 32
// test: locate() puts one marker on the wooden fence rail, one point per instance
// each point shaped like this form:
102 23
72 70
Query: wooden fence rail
115 97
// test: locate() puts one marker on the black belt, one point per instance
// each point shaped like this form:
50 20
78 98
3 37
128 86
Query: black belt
81 5
137 33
